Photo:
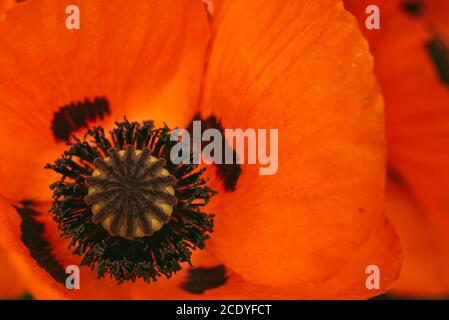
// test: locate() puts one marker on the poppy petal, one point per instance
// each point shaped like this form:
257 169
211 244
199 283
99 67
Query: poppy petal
349 282
147 67
10 284
304 68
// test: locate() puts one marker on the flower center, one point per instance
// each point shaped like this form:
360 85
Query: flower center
131 193
129 211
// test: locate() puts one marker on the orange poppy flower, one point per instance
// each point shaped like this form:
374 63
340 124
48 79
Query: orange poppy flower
412 64
309 231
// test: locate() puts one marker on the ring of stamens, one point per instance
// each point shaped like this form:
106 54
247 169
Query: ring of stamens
131 193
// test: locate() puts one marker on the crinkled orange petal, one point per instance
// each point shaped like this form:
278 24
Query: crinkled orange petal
304 68
426 267
11 285
146 59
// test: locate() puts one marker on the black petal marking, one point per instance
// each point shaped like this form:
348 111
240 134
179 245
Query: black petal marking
412 7
228 173
396 177
201 279
33 238
439 53
74 116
